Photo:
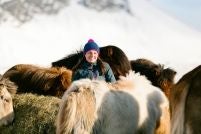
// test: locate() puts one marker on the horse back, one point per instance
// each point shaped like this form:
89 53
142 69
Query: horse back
185 103
193 106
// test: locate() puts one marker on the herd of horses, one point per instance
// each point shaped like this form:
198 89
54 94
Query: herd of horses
144 99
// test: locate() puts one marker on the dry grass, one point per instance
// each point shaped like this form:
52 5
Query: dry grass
34 114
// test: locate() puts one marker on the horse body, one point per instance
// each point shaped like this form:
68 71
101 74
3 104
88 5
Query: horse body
47 81
131 105
185 102
7 89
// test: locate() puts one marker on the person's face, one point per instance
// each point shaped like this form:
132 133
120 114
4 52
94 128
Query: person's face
91 56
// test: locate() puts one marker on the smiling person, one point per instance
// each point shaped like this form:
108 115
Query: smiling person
91 66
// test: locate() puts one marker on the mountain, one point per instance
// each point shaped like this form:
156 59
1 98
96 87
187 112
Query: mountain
42 31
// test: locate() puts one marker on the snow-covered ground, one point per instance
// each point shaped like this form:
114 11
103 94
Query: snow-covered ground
146 32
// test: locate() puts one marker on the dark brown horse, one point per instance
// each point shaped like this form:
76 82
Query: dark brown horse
160 77
185 104
113 55
47 81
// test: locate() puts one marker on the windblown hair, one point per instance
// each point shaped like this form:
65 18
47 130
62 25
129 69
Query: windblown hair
47 81
131 105
113 55
10 86
185 103
160 77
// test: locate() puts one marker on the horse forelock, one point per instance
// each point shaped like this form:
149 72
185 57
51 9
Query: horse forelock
9 85
77 112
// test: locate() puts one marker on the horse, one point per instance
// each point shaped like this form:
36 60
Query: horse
7 90
160 77
40 80
113 55
130 105
185 103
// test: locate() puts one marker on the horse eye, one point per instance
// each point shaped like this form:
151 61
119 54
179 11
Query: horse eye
6 100
1 97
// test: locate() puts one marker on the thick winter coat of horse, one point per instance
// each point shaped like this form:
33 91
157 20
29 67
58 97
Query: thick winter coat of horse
185 104
47 81
113 55
132 105
7 90
160 77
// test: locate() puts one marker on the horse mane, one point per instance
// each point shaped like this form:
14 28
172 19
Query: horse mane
71 103
73 57
48 81
156 73
147 68
117 60
10 86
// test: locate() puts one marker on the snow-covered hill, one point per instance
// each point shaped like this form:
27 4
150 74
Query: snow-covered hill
138 28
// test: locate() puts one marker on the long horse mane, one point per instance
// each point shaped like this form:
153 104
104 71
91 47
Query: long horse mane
28 77
10 86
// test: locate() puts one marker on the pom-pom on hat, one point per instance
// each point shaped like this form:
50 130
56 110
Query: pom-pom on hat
91 45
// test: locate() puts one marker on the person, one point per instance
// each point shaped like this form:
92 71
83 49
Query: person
91 66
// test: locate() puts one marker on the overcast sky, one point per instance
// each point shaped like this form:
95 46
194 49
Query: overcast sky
188 11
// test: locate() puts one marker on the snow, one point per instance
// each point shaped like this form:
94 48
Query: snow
146 32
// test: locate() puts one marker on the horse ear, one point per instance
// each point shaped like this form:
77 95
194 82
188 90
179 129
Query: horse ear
157 73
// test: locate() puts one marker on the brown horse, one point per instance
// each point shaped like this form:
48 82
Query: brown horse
185 104
113 55
160 77
131 105
7 89
47 81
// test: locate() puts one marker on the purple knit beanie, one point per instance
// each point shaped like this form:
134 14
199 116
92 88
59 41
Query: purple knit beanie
91 45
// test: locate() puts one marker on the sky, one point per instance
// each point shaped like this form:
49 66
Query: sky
188 11
146 33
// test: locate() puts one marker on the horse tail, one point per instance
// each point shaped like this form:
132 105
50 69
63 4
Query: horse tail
178 98
77 111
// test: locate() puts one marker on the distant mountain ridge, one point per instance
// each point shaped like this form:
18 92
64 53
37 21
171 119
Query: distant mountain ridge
24 10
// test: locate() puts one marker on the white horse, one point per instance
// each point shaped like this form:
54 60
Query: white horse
7 89
129 106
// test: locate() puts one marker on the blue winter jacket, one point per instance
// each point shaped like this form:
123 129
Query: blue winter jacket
93 71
